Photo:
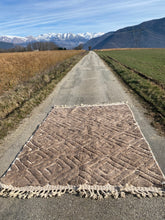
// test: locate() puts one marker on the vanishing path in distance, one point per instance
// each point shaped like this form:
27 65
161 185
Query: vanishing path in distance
89 82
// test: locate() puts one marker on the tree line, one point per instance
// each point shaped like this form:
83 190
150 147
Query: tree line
34 46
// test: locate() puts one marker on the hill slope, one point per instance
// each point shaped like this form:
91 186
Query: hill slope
94 41
4 45
150 34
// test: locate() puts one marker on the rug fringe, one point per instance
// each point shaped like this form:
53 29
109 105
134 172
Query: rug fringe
90 105
85 191
119 192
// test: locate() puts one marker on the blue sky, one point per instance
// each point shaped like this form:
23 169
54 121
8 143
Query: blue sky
34 17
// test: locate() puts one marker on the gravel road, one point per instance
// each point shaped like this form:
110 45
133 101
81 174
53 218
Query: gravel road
89 82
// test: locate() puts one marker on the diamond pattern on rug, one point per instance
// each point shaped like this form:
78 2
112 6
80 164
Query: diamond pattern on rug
92 145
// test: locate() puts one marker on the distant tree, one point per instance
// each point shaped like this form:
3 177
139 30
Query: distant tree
89 48
2 50
17 48
42 46
52 46
61 48
29 47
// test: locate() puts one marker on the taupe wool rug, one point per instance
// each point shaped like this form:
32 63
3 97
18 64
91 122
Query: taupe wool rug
95 151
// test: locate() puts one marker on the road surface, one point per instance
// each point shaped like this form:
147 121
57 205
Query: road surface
89 82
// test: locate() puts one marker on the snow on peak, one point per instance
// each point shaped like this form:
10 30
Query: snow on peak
89 36
68 40
64 36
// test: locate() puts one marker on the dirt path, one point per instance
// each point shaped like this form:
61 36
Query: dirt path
89 82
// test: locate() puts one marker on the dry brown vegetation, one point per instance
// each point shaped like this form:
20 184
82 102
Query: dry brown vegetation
26 79
19 67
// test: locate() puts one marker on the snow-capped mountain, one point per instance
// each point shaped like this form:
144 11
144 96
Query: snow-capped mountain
16 39
68 40
67 36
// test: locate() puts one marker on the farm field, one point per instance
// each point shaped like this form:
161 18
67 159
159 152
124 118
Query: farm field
144 71
16 68
27 78
150 62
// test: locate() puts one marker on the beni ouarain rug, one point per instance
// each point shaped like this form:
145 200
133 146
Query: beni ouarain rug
94 151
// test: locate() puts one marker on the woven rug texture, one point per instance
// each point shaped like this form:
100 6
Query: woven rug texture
95 151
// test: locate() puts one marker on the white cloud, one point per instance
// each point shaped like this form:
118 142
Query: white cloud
99 14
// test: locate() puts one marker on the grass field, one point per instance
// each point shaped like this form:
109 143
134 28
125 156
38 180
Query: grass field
144 71
26 79
150 62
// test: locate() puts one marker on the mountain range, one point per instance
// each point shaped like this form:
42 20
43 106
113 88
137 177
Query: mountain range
149 34
67 40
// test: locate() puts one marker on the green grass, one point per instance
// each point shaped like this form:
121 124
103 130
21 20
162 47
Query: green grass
149 62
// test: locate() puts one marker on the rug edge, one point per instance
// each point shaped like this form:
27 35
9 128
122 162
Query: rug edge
87 191
94 192
90 105
149 146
